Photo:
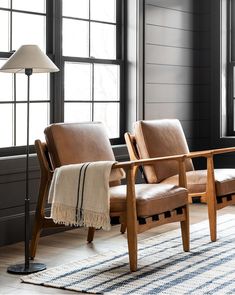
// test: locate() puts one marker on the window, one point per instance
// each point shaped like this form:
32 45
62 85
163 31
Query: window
84 39
92 62
22 22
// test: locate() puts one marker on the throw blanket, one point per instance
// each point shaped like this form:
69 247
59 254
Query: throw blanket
79 194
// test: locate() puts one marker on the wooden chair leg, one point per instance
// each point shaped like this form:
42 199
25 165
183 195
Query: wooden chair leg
123 228
131 220
212 220
211 199
90 235
132 246
185 231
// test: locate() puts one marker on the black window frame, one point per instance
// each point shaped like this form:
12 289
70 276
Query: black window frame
230 67
54 51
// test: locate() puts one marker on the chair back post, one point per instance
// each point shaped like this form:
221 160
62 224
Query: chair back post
133 152
131 146
46 170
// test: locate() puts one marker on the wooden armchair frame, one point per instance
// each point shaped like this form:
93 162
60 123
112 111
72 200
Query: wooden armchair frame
208 196
128 220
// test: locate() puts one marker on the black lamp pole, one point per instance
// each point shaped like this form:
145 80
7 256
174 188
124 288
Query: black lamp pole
27 267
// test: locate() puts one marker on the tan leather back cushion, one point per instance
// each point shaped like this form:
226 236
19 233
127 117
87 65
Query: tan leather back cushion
158 138
72 143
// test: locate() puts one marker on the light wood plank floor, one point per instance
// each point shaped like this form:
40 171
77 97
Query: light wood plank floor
71 245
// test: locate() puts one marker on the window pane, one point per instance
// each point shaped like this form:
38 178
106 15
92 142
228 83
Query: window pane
39 87
77 85
28 29
103 41
77 112
104 10
21 123
75 38
4 30
29 5
108 113
6 82
39 119
76 8
21 87
5 3
6 120
106 82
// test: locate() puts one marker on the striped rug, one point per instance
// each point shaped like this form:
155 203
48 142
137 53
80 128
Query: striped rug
209 268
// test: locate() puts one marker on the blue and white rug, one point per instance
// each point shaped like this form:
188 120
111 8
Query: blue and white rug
163 267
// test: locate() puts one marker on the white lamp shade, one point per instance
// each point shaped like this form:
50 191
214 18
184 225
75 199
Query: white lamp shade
29 57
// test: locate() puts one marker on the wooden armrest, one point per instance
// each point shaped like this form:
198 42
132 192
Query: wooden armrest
223 150
198 154
158 159
208 153
142 162
130 165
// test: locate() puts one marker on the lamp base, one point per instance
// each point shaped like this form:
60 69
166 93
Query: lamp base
21 269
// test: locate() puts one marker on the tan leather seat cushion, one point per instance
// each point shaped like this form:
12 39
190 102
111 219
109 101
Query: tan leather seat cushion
196 180
159 138
73 143
151 198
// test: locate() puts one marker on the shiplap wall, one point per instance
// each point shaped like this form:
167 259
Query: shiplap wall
177 65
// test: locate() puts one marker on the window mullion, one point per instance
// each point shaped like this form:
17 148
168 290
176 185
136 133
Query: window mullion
10 26
89 30
14 110
92 91
57 112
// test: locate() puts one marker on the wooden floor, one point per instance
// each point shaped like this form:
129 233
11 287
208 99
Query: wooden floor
71 245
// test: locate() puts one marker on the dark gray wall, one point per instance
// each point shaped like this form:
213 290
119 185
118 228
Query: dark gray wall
12 195
177 65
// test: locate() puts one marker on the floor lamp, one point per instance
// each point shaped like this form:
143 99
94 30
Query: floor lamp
28 59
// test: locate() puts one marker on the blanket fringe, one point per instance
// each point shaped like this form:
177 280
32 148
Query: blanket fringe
96 220
67 215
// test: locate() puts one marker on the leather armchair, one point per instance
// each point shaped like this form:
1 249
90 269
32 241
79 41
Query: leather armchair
160 138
